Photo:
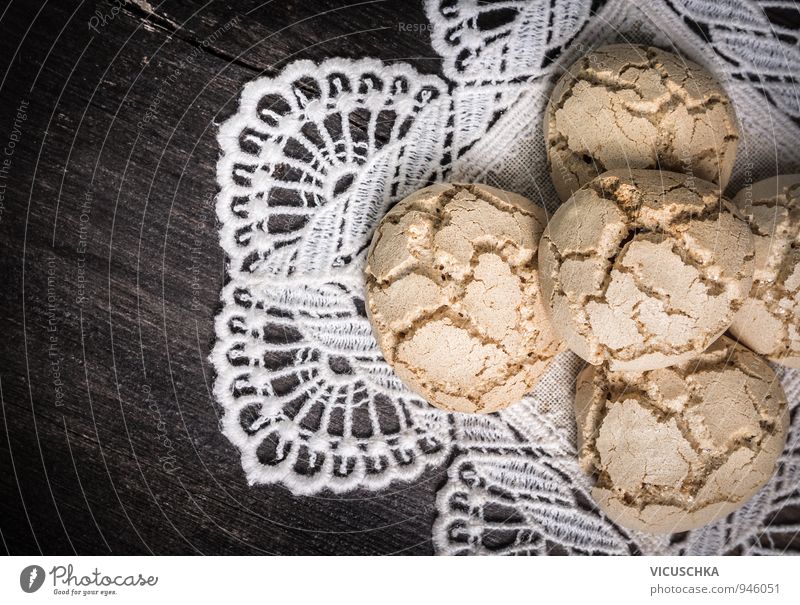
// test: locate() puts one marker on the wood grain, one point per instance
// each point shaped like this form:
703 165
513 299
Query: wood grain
110 440
108 215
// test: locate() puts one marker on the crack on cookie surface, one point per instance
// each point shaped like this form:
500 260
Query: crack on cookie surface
665 424
476 337
769 322
655 282
668 122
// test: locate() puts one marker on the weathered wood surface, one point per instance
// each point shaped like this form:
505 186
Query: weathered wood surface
110 440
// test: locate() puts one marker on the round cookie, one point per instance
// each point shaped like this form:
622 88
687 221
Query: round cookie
630 106
769 321
644 269
453 295
676 448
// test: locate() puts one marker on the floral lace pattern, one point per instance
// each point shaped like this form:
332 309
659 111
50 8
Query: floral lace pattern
310 163
312 160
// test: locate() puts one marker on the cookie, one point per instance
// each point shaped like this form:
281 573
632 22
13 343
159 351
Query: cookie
676 448
769 321
452 290
630 106
644 269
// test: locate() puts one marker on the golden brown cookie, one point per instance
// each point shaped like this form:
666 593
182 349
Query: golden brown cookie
630 106
676 448
453 295
769 321
644 269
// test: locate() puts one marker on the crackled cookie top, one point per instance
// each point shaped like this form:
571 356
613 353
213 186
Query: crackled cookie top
769 321
676 448
644 269
453 296
635 106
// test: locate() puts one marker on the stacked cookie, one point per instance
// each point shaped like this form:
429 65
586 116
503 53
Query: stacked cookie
645 265
453 296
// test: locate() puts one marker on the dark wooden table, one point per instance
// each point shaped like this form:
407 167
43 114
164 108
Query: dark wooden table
110 440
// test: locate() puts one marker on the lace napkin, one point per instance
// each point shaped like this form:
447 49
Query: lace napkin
315 156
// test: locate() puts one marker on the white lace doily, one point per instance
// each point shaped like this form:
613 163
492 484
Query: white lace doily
312 160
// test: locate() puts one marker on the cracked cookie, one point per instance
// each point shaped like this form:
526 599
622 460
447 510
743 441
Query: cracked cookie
644 269
769 321
634 106
676 448
453 296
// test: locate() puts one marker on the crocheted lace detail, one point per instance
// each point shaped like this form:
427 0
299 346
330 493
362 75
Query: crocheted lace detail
311 161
